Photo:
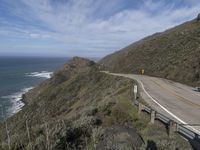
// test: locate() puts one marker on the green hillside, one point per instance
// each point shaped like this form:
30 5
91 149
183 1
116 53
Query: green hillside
173 54
81 108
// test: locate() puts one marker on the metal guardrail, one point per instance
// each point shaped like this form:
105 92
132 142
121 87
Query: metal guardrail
198 89
183 130
147 109
179 128
162 118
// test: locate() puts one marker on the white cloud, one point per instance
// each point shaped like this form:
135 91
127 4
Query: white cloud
95 25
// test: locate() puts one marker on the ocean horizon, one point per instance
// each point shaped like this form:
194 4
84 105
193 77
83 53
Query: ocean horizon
18 75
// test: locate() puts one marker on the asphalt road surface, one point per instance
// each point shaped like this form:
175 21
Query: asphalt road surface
176 101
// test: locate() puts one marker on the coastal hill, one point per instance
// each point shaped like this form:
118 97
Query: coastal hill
173 54
81 108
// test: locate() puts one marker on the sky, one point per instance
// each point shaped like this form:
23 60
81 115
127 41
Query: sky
88 28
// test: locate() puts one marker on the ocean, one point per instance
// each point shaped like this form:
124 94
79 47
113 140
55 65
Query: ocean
20 74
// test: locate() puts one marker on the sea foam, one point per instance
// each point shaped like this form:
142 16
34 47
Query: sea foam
15 99
42 74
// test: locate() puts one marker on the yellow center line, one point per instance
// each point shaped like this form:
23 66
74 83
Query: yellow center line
177 95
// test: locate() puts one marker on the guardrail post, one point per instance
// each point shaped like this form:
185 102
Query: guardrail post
153 116
177 127
135 102
172 127
140 108
196 136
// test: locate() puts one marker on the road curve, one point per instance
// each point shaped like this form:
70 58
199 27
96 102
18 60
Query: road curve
177 101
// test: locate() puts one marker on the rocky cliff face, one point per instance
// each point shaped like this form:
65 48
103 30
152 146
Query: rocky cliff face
74 66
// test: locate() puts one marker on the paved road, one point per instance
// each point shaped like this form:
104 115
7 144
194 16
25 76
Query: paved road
177 101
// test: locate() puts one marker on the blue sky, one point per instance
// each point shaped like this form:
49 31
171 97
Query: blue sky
89 28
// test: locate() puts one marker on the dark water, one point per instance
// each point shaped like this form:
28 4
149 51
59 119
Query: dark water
20 74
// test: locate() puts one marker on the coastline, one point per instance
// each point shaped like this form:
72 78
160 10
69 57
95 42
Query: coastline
17 98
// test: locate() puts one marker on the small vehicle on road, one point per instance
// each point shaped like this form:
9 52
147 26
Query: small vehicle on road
198 89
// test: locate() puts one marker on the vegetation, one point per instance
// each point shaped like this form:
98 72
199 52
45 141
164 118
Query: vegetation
173 54
82 108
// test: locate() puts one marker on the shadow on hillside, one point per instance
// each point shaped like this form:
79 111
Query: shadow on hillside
195 143
151 145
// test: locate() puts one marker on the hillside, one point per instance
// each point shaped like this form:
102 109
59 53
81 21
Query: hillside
82 108
173 54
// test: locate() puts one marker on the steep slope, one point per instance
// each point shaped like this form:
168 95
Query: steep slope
66 110
173 54
82 108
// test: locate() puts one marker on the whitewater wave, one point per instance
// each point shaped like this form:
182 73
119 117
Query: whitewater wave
15 99
42 74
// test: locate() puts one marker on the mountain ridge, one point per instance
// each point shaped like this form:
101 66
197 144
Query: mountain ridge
173 54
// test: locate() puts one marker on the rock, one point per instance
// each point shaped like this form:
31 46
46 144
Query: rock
73 66
78 62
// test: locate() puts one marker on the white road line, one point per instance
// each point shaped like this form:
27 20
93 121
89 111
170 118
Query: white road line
166 109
